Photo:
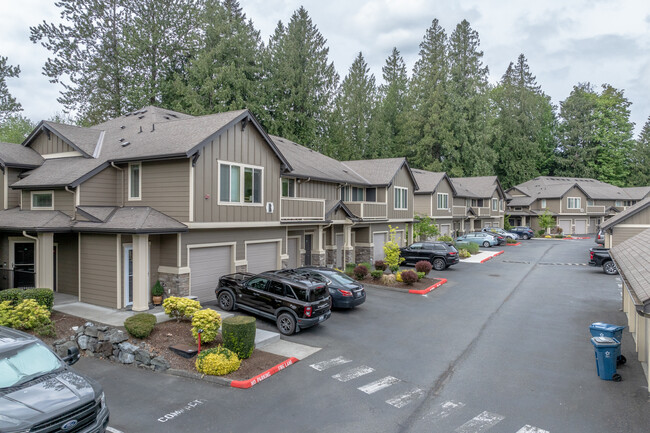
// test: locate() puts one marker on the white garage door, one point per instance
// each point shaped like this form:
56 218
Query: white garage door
206 266
581 227
565 225
262 257
292 250
378 239
339 251
445 229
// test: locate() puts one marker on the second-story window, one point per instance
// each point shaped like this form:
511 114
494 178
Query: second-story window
357 194
345 193
135 181
618 203
42 200
495 204
543 204
443 200
573 203
590 203
371 194
288 187
240 184
401 198
477 202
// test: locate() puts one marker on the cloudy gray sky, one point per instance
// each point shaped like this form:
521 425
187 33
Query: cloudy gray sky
565 41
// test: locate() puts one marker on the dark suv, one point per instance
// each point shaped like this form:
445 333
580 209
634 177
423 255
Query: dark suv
345 292
440 254
293 303
523 232
39 392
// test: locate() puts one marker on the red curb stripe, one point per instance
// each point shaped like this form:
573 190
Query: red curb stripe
245 384
488 258
513 245
430 288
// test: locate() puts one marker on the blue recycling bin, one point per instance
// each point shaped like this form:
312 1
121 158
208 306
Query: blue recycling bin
600 329
605 350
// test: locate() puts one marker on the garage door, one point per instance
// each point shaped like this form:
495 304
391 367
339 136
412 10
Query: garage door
581 227
262 257
445 229
292 250
565 225
378 239
206 266
339 251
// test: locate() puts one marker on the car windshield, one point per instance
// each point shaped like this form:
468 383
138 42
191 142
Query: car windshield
338 277
26 363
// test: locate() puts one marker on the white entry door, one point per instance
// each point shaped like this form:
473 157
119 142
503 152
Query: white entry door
128 275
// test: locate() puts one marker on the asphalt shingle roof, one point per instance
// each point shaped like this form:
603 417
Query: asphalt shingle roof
427 180
637 192
84 139
521 201
475 187
16 155
632 258
632 210
59 172
556 187
133 219
378 172
38 220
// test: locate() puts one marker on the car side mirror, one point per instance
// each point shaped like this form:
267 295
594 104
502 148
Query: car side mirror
73 356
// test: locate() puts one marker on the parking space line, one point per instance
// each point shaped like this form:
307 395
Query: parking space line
324 365
113 430
530 429
480 423
445 410
404 399
353 373
378 385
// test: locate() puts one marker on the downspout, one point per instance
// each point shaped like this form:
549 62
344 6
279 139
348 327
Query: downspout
36 283
74 203
121 181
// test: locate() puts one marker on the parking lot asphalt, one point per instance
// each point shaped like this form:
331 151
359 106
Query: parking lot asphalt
503 346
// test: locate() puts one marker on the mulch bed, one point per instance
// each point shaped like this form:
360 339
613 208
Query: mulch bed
422 284
170 333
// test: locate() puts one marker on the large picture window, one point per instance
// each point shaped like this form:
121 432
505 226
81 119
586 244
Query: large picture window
443 200
43 200
401 198
573 203
135 181
240 184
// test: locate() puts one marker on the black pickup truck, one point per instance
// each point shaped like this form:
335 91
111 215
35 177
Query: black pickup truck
292 303
599 256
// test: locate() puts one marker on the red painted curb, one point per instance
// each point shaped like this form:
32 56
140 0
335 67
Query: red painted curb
513 245
430 288
245 384
488 258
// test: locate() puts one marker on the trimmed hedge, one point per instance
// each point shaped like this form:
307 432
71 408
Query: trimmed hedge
423 266
469 246
217 361
44 297
376 274
238 335
140 325
360 272
209 321
180 308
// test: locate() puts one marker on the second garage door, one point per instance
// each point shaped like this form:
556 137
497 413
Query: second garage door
565 225
206 266
581 227
262 257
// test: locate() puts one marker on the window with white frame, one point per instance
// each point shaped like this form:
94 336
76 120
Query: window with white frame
443 200
618 203
240 183
371 194
135 181
401 198
573 203
357 194
288 187
501 204
43 200
590 203
495 204
543 203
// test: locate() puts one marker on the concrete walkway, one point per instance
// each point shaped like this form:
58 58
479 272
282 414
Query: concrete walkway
482 256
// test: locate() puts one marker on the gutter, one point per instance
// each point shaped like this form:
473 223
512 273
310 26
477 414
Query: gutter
121 181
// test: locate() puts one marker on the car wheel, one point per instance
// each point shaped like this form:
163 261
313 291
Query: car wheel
486 244
286 324
526 237
226 301
438 264
610 268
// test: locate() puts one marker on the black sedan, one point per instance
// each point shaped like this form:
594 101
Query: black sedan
345 292
440 254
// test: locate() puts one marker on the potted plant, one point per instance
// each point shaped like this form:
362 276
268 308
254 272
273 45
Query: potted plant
157 293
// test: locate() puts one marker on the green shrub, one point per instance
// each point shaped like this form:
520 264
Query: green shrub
209 321
472 248
12 295
511 241
217 361
541 232
46 330
157 289
445 238
409 277
366 264
376 274
360 272
421 275
238 335
394 268
349 267
463 253
180 308
380 265
423 266
44 297
140 325
559 236
28 314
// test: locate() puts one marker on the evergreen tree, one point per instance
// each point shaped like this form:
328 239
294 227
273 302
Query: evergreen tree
300 83
355 102
226 74
639 173
467 151
15 129
8 104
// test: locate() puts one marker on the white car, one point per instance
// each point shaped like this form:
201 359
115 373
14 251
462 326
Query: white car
502 232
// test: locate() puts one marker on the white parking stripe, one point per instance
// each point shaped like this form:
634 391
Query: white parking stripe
378 385
530 429
324 365
480 423
113 430
353 373
404 399
445 410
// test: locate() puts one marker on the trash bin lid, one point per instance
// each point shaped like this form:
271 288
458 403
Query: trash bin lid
604 342
606 327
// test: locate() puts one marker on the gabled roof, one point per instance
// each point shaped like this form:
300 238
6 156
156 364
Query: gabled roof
34 220
428 181
521 201
557 187
130 219
61 172
331 206
16 155
637 192
476 187
380 172
631 257
632 210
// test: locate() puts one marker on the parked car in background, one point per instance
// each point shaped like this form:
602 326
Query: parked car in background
345 291
523 232
601 257
502 232
440 254
600 237
484 239
293 303
40 392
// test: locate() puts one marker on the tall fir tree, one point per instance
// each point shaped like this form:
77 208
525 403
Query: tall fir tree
639 173
300 82
355 103
15 128
467 151
8 104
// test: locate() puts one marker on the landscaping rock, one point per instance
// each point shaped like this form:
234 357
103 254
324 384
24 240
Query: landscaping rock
128 347
142 356
160 364
116 336
126 358
62 348
105 348
91 331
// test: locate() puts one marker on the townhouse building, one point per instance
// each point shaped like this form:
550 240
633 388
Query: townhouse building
479 202
627 224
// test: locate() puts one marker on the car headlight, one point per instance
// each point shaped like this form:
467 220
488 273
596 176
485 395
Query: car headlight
101 401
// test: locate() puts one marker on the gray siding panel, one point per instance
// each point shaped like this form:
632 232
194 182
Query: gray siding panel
101 189
643 217
621 234
402 179
63 201
314 189
99 270
13 194
168 250
68 260
45 146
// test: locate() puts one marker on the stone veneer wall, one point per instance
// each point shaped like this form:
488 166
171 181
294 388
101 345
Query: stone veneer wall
175 284
331 257
318 260
349 256
363 254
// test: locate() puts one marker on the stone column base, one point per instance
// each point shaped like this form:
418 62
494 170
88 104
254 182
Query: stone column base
331 258
363 255
175 284
318 259
348 256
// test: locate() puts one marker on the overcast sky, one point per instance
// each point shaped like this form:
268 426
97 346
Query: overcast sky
565 41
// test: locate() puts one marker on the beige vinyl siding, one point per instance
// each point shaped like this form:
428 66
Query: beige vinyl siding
13 195
445 188
45 146
313 189
552 204
239 147
68 260
101 189
98 257
574 192
2 188
63 201
422 204
165 186
621 234
168 250
402 179
642 217
154 259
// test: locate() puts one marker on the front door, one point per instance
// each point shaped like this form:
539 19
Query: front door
128 275
307 250
24 265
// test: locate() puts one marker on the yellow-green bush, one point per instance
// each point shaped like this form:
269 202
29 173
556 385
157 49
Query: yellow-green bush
28 314
208 320
217 361
463 253
398 277
180 308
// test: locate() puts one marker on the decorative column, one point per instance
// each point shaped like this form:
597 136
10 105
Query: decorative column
318 257
409 227
348 249
140 271
45 261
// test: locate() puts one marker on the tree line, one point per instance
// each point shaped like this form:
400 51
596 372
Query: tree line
205 56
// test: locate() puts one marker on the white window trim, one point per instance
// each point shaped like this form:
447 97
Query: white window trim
31 200
442 194
139 197
406 191
241 184
543 203
289 180
577 202
495 204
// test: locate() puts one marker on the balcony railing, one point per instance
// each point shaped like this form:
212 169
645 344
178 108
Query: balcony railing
368 210
595 209
459 211
302 209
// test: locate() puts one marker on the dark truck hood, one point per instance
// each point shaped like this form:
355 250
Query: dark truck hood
41 399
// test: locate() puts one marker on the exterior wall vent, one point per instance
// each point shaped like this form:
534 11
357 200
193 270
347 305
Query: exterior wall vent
269 207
